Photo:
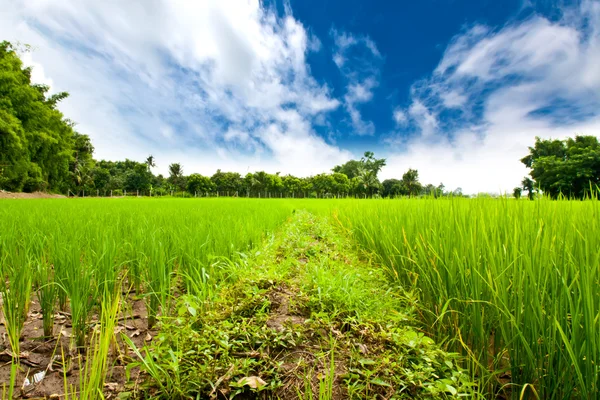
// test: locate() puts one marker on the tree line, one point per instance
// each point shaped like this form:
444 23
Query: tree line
357 178
41 150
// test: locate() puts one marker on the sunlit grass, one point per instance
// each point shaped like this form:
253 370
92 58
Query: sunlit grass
513 284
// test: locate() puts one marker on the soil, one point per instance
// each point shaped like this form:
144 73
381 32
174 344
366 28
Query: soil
45 362
302 363
35 195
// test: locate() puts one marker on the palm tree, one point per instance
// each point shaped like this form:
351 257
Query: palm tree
368 180
175 170
150 162
176 175
410 181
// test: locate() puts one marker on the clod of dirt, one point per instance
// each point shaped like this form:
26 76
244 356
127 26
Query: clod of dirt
280 311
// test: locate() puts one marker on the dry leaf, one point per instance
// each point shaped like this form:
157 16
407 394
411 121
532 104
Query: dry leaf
148 337
112 386
254 382
65 333
136 333
119 329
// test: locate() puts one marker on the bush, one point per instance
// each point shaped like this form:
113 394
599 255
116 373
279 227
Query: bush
34 185
160 192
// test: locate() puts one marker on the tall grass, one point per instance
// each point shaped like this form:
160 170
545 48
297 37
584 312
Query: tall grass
513 284
81 255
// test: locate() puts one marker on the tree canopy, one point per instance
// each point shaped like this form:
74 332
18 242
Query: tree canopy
39 148
569 167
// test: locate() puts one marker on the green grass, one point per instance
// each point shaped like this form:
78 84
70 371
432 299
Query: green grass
79 253
513 284
309 318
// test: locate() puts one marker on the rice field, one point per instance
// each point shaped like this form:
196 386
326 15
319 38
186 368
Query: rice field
513 286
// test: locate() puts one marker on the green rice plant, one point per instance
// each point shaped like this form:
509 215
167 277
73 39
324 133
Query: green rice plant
15 288
513 285
107 271
59 261
47 293
326 382
158 280
79 286
91 380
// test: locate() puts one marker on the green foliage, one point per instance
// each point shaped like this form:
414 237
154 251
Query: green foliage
303 316
570 168
410 182
517 192
513 285
38 146
197 183
176 177
227 182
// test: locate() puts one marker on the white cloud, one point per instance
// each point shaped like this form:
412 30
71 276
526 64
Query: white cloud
400 117
176 78
361 75
493 92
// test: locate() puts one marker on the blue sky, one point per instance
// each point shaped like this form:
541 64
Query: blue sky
457 89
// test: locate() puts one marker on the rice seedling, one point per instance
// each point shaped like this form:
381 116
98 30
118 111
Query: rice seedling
47 292
80 288
15 287
103 336
514 285
159 273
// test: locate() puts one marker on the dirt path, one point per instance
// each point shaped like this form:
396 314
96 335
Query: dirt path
304 318
35 195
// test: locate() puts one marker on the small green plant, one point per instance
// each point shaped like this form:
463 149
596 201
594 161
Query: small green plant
96 363
47 293
81 292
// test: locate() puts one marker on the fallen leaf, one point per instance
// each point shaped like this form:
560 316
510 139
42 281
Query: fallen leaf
254 382
148 337
362 348
112 386
65 333
135 333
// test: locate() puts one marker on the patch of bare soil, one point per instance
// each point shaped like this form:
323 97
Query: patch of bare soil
304 367
34 195
46 363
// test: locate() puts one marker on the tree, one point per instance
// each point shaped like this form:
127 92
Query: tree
36 141
323 184
369 182
351 169
227 181
197 183
340 183
371 163
528 186
138 178
355 168
150 162
517 193
410 181
292 185
101 177
176 176
83 163
392 188
570 167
